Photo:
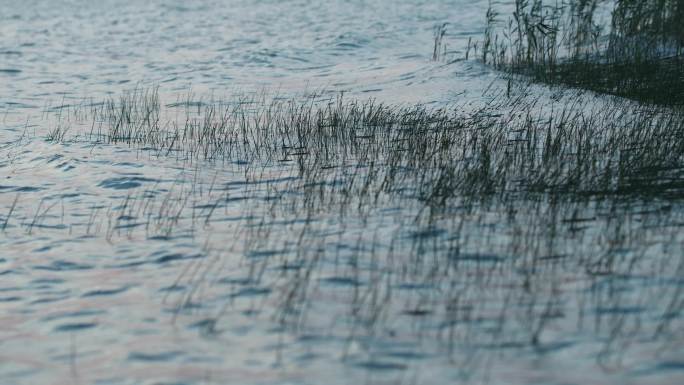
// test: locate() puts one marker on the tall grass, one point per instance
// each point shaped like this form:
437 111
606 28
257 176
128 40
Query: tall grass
474 234
636 52
511 145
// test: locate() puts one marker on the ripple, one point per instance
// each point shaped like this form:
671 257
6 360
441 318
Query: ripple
661 369
477 258
381 365
342 281
64 266
251 292
75 327
257 254
154 357
74 314
105 292
176 257
124 183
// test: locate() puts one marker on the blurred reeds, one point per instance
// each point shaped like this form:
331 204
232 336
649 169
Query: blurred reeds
629 48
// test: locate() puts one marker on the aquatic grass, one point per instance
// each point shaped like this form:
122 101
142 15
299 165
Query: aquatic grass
440 49
351 158
9 213
58 133
332 151
495 230
466 281
636 54
394 237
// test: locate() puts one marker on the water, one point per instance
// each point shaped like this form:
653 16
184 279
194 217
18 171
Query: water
93 49
124 265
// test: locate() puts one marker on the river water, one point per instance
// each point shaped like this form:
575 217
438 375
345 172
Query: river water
124 265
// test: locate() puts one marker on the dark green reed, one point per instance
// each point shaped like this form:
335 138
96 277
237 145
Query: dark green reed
513 144
470 233
634 52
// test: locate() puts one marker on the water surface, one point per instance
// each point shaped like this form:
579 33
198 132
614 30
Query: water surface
120 264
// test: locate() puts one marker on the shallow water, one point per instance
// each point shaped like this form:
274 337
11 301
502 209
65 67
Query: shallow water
121 265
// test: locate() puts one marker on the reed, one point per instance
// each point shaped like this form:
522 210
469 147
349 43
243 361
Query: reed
637 54
510 145
494 229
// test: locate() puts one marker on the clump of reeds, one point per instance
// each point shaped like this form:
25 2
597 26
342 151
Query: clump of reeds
639 55
342 148
439 50
495 226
